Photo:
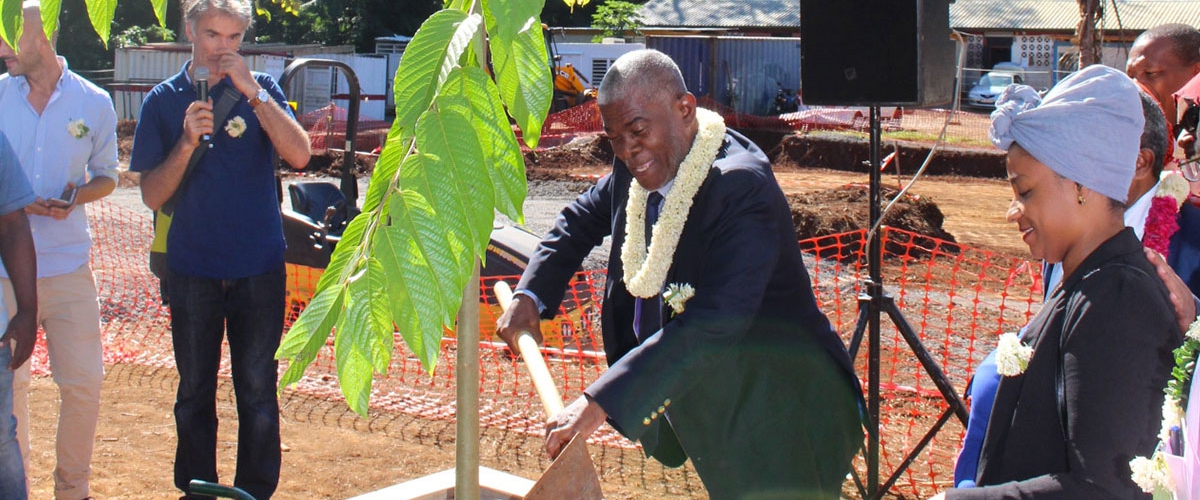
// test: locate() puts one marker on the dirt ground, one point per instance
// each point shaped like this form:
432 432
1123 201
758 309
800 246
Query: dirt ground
332 453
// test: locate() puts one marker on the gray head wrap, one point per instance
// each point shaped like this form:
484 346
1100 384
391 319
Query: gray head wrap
1087 129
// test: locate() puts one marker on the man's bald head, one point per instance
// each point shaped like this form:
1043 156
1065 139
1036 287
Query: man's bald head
641 73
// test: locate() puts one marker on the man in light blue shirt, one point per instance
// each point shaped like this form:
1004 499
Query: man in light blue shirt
63 129
16 253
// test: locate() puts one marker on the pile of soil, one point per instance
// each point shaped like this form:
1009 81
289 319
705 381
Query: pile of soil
845 209
584 151
843 152
329 164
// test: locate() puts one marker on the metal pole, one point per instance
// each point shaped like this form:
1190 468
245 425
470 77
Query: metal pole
875 290
466 458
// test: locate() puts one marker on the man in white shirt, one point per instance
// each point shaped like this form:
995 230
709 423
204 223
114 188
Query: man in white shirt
63 129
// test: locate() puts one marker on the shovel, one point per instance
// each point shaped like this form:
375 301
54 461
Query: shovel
572 474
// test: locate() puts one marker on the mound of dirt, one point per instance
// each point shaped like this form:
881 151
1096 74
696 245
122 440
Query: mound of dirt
329 164
844 209
842 152
584 151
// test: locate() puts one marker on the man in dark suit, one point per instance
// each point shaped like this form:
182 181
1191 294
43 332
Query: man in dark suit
738 369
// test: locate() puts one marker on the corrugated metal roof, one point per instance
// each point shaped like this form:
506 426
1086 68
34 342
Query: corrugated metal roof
1063 15
1017 15
721 13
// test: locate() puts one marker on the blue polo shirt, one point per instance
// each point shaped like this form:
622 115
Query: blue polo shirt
227 222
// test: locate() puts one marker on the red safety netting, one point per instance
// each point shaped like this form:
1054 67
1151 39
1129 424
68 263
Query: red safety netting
584 121
327 129
958 299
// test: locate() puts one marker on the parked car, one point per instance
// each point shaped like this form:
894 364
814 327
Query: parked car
990 86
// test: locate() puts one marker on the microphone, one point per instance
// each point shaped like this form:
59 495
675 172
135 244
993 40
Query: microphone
202 95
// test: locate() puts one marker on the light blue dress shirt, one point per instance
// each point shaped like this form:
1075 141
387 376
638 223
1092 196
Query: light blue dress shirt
52 156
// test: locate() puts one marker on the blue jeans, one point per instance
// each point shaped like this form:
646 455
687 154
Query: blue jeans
12 470
250 311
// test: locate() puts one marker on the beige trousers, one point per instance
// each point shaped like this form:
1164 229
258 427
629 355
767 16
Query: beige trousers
69 313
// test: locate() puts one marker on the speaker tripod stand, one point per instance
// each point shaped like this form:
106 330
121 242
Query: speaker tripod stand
870 306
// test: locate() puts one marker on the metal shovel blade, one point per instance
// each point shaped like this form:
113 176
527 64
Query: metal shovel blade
571 476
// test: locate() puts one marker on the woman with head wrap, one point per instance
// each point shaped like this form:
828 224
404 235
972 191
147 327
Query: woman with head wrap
1082 389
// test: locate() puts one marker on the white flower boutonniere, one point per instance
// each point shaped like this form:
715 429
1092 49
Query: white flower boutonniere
1012 356
677 295
1151 474
77 128
235 127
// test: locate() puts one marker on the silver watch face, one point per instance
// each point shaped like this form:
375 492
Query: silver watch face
263 95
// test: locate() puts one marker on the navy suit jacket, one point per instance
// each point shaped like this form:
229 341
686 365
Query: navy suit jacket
751 333
1184 254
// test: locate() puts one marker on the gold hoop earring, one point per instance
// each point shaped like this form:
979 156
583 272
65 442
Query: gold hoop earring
1081 200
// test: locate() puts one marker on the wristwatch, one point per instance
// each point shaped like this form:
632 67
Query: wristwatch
260 97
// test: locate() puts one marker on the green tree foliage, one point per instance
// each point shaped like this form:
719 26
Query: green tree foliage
141 35
450 161
617 18
346 22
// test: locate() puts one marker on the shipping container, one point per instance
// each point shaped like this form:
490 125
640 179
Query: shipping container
744 73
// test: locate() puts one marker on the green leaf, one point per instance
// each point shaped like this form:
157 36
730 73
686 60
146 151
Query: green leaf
459 188
495 11
101 13
383 177
347 248
434 50
444 239
502 153
10 21
364 319
415 295
50 10
524 79
160 11
307 335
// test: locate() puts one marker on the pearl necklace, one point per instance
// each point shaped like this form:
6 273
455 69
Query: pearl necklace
646 271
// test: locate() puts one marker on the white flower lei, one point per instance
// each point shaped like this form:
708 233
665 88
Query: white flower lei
644 276
1151 474
1171 183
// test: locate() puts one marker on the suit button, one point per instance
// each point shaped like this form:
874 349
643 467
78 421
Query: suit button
645 421
653 416
662 409
667 402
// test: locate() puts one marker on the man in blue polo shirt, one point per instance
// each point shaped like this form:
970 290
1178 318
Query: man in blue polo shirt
18 256
225 247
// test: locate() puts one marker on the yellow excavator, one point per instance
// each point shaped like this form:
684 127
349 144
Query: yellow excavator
571 88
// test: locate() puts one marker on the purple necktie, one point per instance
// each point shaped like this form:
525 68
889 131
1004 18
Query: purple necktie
647 313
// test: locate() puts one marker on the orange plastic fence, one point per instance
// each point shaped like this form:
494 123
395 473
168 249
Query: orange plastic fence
327 126
957 298
584 120
327 129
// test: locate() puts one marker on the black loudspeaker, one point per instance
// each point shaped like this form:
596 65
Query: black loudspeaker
876 52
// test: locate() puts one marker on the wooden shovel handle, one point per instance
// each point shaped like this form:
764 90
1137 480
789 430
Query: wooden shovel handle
534 362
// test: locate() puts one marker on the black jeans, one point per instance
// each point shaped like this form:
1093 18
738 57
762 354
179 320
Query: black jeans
251 311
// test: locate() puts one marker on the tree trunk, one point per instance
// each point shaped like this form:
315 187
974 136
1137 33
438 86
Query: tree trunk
1086 34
